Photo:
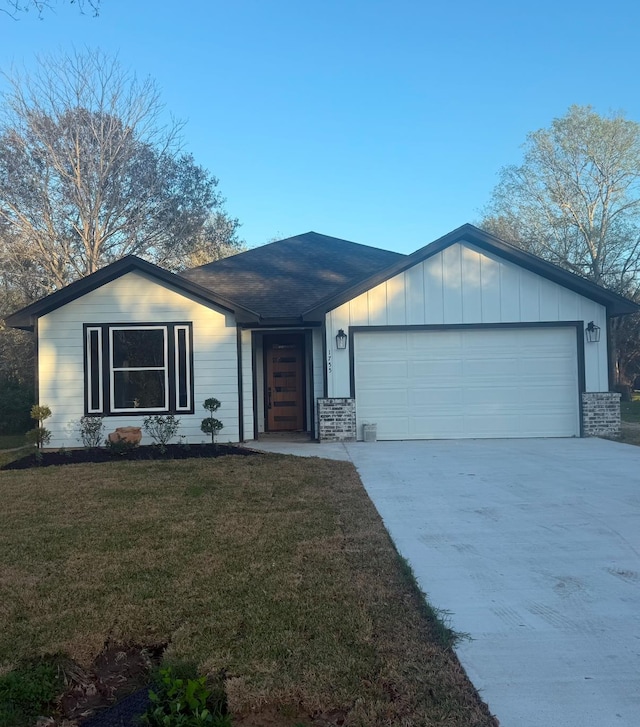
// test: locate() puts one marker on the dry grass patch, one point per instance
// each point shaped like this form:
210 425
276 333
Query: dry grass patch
275 570
629 433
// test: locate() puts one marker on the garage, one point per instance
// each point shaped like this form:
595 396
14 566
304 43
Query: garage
467 382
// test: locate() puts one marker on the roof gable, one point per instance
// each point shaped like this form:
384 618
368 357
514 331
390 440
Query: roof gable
615 304
26 317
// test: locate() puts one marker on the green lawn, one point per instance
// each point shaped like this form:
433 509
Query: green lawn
630 410
10 441
276 571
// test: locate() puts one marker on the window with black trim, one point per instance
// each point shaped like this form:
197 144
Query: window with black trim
138 368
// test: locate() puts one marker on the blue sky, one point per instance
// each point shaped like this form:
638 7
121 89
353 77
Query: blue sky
383 122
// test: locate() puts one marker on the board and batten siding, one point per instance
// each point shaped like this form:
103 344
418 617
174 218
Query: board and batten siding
136 298
464 284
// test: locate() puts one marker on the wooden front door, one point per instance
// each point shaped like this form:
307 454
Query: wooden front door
285 383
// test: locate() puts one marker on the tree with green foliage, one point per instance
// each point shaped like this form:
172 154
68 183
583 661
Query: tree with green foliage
211 425
39 435
17 367
575 201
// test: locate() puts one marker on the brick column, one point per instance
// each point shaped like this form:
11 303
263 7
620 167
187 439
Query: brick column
601 413
337 420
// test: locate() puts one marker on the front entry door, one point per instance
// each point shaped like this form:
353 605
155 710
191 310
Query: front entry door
285 384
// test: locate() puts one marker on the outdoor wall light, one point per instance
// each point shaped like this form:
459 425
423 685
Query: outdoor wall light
341 339
592 332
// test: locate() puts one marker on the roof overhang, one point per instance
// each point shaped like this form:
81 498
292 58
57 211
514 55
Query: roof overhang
615 304
26 318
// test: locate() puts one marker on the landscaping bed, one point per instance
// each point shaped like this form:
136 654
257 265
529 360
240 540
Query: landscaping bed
47 458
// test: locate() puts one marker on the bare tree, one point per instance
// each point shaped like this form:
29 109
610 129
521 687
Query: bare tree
575 199
14 8
90 171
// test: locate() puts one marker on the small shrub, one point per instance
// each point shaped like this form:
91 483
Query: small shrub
161 429
39 435
91 431
185 702
121 447
211 425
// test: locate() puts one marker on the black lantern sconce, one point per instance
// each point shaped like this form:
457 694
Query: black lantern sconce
592 332
341 340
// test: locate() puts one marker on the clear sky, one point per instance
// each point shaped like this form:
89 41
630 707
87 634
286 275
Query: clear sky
380 121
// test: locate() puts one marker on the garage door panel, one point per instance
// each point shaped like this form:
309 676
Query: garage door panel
491 368
555 366
388 398
390 343
394 428
436 397
492 398
448 340
445 368
377 368
468 383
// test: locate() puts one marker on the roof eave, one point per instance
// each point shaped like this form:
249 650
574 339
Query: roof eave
15 320
280 322
26 317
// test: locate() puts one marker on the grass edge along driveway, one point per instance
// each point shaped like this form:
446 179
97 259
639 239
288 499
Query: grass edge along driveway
274 569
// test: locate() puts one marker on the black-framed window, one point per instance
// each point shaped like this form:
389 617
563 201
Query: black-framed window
138 368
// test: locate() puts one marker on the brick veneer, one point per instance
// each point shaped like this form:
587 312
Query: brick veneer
337 420
601 413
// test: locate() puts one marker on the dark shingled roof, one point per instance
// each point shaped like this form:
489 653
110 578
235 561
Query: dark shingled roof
286 278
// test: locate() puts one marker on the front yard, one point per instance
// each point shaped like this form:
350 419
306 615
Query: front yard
274 572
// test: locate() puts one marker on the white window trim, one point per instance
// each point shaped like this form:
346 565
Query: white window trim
90 373
187 348
113 369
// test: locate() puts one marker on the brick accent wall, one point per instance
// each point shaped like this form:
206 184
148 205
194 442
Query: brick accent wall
337 420
601 413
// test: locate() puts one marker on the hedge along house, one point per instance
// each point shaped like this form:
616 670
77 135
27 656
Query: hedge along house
467 337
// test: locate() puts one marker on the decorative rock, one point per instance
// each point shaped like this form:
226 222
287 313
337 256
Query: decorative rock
132 435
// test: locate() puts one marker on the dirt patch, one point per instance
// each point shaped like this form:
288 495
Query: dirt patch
117 672
113 692
147 453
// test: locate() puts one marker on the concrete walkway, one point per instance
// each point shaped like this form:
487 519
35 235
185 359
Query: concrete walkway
533 546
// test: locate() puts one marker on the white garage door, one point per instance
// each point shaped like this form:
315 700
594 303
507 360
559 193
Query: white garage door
467 383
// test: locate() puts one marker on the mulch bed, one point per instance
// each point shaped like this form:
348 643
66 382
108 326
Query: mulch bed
120 676
99 454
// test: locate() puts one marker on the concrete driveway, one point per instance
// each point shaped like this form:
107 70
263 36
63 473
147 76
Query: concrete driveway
533 546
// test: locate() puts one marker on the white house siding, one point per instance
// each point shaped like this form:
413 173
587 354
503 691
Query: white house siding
136 298
318 373
463 284
247 384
